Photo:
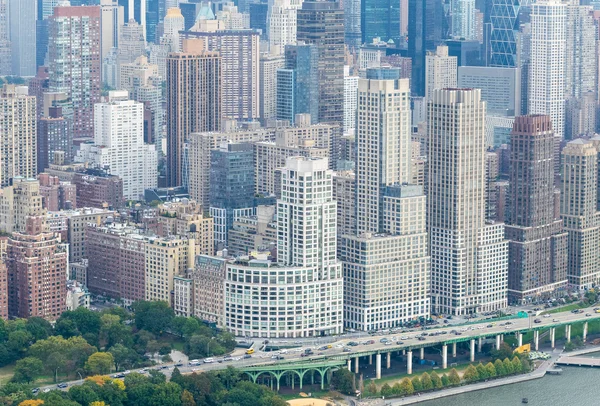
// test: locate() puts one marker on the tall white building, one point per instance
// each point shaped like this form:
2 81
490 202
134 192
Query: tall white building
281 23
307 276
581 60
463 19
350 99
469 256
386 264
112 18
119 144
546 84
440 71
22 35
173 23
269 63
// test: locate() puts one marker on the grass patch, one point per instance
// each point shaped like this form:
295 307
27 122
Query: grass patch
390 380
6 373
566 308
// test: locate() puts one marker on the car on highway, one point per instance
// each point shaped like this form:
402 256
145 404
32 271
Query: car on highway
555 320
346 349
246 356
352 343
211 360
383 340
35 390
422 338
588 315
537 321
62 385
546 316
399 342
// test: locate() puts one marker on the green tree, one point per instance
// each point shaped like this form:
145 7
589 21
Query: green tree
18 342
53 352
436 380
155 316
426 382
166 394
83 394
177 377
445 380
481 371
187 399
191 327
505 351
386 390
416 383
453 377
470 374
372 388
124 357
525 366
508 366
27 370
407 387
499 366
85 320
397 389
491 370
99 363
516 362
229 376
156 377
39 328
113 332
343 381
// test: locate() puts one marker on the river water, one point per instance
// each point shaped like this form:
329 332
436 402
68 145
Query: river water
575 387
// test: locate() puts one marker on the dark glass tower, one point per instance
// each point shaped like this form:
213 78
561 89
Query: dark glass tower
425 33
380 18
505 17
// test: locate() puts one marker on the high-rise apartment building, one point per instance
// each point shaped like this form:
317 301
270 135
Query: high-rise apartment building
281 24
193 103
5 47
463 19
579 211
240 66
440 71
19 202
18 138
54 133
537 246
350 99
74 62
469 256
119 145
546 82
306 264
322 23
22 17
186 218
581 61
269 64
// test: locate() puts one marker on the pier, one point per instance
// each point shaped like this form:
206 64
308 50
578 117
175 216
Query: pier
579 361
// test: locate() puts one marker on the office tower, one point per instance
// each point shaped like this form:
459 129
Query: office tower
54 133
240 67
281 23
173 23
131 42
306 260
579 211
186 218
119 145
18 138
547 65
74 62
469 257
259 14
153 16
353 33
232 18
322 23
20 201
5 47
524 62
136 10
380 19
111 20
269 64
467 52
463 19
193 102
389 213
424 34
537 244
231 185
21 17
298 84
350 99
505 18
440 71
200 146
37 273
500 87
382 134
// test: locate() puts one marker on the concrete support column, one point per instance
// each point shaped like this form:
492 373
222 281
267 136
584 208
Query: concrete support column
568 328
536 339
444 356
378 366
585 331
422 353
520 338
356 364
389 360
403 352
472 355
371 359
552 336
453 350
409 362
349 365
498 342
479 344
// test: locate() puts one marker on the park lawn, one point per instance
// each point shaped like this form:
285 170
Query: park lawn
6 373
290 396
177 343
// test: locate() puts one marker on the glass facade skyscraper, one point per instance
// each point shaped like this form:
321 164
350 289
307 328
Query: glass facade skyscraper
380 19
504 17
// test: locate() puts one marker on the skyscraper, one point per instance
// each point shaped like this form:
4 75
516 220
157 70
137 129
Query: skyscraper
193 102
54 133
322 23
269 63
172 24
440 70
281 23
425 33
111 19
537 247
390 213
353 34
546 87
463 19
74 62
22 16
18 139
505 18
380 19
469 266
5 48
